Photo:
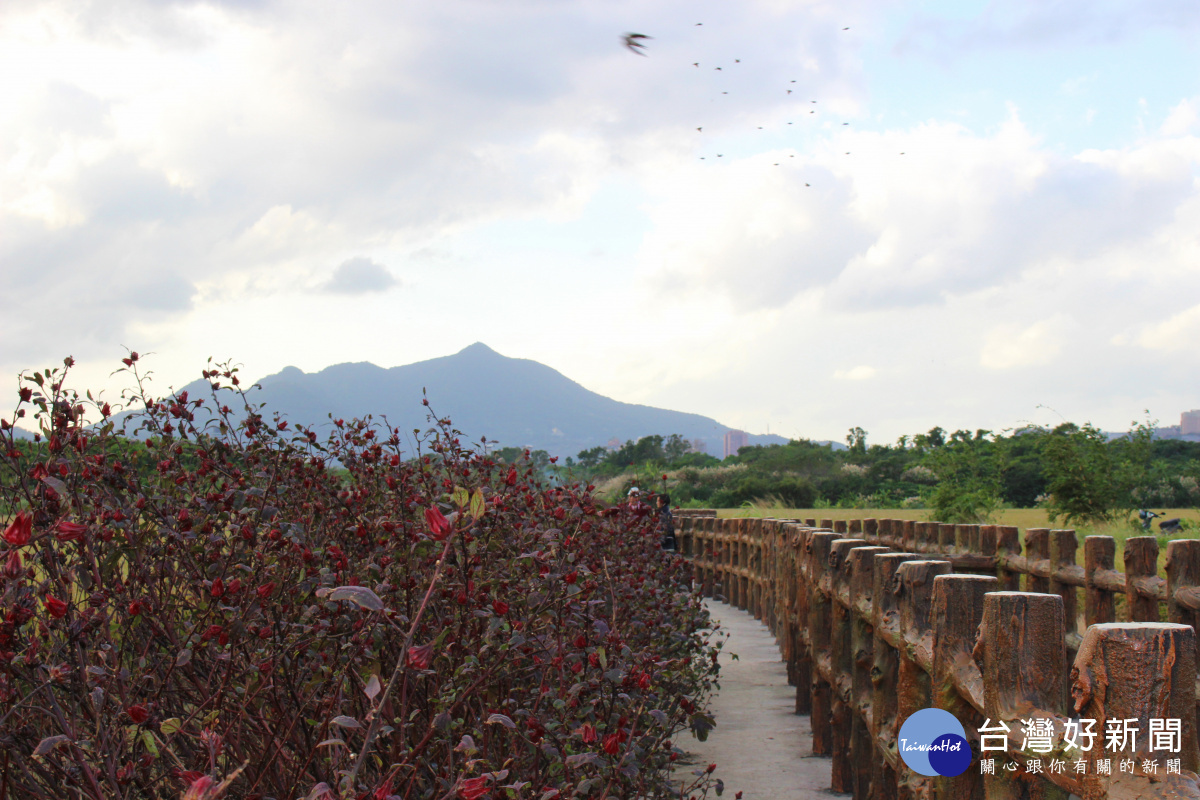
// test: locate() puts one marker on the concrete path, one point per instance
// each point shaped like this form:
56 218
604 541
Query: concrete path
761 748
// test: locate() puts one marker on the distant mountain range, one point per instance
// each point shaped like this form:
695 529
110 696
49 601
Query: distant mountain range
514 401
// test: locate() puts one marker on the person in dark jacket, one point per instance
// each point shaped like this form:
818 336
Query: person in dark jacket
666 522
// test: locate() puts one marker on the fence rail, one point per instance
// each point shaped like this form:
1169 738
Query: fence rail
878 619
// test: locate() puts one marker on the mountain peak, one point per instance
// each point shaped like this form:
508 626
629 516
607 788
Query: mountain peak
477 349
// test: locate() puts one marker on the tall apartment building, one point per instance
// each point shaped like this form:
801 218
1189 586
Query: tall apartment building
734 441
1189 422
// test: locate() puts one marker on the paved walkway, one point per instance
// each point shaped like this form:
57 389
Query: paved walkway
761 748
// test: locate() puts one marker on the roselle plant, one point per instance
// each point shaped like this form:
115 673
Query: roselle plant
214 603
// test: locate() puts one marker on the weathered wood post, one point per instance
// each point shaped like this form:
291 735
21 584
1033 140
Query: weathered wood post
803 669
820 614
914 587
1183 586
1141 570
1133 673
885 618
1008 545
957 685
1037 554
1063 546
908 535
946 544
842 779
1099 558
1024 663
862 653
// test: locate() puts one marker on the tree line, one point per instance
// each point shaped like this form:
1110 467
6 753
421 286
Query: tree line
1078 473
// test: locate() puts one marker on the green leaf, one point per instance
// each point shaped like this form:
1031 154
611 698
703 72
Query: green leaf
460 496
478 506
170 726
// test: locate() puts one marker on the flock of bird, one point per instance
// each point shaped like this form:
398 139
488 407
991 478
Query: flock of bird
636 43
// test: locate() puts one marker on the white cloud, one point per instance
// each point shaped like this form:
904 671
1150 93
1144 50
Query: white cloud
1008 346
1179 332
859 373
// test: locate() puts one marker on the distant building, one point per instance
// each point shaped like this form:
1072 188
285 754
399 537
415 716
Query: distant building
1189 422
614 444
698 446
734 441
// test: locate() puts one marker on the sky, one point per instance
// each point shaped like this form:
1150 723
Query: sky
794 217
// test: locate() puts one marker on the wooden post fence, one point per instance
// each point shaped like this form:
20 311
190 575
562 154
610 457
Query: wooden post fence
878 619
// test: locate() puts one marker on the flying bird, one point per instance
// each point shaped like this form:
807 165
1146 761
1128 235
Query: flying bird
700 129
696 64
631 41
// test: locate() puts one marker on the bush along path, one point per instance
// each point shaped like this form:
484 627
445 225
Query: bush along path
760 747
236 607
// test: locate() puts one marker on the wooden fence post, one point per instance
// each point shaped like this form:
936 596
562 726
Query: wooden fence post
914 584
802 672
1024 674
957 612
819 637
885 616
1008 544
1063 545
862 653
1099 557
1141 563
1037 554
1134 673
842 779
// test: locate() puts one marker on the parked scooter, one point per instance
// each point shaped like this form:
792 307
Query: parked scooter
1167 526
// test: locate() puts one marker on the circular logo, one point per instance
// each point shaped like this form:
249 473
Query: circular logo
933 742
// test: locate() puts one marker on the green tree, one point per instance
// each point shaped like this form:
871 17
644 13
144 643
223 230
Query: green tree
1089 478
968 470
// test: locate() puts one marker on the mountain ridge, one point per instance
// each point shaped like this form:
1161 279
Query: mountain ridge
513 401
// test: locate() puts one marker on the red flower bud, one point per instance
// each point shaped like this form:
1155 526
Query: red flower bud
57 608
12 566
19 530
611 744
588 732
138 713
438 524
218 588
511 478
500 607
66 531
472 788
201 789
265 590
420 656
